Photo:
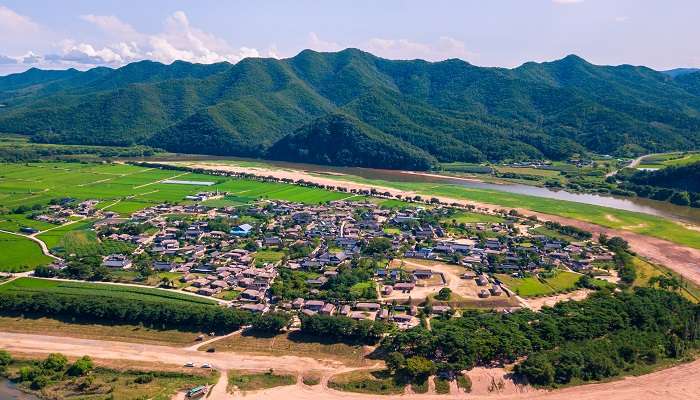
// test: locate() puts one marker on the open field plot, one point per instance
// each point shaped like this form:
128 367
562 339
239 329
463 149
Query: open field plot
54 236
669 160
19 253
101 290
248 380
122 333
464 217
292 343
123 384
125 189
364 381
646 270
533 286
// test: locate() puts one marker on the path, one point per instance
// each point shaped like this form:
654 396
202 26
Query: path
673 383
159 181
683 260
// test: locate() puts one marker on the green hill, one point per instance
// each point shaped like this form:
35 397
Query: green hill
415 111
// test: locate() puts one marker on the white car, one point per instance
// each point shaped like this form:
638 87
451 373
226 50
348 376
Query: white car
189 365
206 365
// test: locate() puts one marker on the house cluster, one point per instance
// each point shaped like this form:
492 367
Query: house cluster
62 211
225 252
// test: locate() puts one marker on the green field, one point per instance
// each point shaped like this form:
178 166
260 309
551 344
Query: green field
471 218
669 160
100 290
125 189
533 286
18 254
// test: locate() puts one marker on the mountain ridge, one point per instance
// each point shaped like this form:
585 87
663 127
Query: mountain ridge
450 110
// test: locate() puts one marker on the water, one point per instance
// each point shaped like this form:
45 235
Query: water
634 204
8 391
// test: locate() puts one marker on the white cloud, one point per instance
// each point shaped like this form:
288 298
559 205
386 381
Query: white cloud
316 43
622 18
7 60
443 48
12 23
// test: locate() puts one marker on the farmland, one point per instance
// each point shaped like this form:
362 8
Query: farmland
533 286
19 253
125 189
35 285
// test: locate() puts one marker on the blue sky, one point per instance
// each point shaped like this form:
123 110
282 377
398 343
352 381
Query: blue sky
84 34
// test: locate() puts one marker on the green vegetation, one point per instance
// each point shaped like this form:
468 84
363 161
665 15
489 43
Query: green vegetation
542 285
370 382
245 381
677 184
116 304
464 383
600 337
442 386
20 254
56 377
92 290
464 217
422 111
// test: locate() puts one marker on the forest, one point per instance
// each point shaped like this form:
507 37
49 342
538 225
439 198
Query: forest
351 107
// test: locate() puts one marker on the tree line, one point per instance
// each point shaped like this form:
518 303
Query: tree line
113 310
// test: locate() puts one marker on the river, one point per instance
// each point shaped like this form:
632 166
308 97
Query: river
8 391
635 204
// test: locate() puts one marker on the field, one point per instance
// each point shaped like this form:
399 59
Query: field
291 344
125 189
106 383
245 381
471 218
121 333
101 290
532 286
370 382
19 254
669 160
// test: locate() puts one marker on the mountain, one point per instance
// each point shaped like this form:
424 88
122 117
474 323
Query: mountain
353 108
676 72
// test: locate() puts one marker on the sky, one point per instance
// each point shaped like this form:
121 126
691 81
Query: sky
87 33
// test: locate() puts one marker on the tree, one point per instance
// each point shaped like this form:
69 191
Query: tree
395 361
419 368
378 245
444 294
55 362
538 370
5 358
271 323
81 367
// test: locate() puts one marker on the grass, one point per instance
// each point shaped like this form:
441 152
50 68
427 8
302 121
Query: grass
268 256
101 290
526 287
464 383
292 344
121 333
311 378
442 386
392 231
107 383
20 254
54 236
563 281
369 382
245 381
646 270
464 217
420 387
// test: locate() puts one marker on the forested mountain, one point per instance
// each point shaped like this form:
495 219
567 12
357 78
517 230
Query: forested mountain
352 108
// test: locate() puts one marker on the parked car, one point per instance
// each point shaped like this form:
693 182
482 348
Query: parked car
189 365
206 365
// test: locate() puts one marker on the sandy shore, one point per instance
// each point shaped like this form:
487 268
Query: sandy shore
681 259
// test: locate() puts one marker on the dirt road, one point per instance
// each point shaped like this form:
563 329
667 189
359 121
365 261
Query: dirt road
681 259
679 382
